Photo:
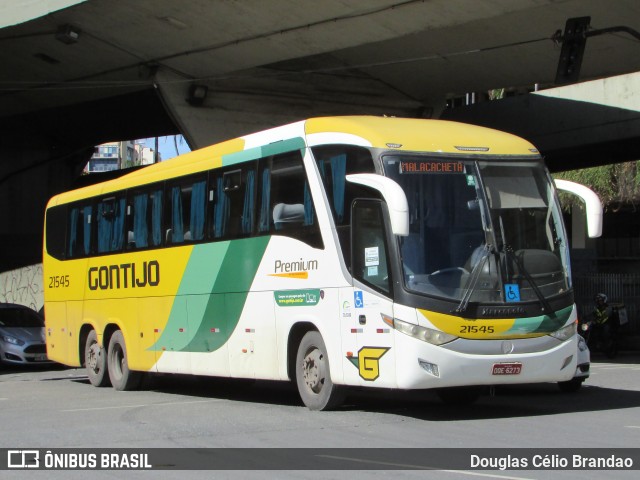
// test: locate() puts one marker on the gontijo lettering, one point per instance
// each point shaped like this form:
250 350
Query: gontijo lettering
125 275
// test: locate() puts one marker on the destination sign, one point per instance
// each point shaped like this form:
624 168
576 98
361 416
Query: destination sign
430 166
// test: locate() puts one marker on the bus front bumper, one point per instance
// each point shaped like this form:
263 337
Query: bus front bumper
421 365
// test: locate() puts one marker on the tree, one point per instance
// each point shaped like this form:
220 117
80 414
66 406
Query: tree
617 184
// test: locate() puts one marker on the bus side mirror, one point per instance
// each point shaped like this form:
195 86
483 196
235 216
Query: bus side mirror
592 204
393 196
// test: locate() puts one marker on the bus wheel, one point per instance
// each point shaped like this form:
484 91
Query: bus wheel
121 377
95 360
313 378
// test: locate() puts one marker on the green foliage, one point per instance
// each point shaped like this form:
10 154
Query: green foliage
615 184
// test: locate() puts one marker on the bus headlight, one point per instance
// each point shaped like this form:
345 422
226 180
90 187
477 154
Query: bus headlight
434 337
565 333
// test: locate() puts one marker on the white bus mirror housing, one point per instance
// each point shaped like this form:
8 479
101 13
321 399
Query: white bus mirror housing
392 194
592 204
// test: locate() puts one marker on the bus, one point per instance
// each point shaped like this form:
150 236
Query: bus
333 252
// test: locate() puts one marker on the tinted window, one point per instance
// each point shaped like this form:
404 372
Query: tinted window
145 218
369 246
233 193
110 218
335 162
79 230
56 231
285 204
186 216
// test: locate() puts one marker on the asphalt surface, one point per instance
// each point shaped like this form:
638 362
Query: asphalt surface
56 407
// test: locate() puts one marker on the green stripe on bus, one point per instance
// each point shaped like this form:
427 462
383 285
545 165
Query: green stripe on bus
265 151
540 324
215 286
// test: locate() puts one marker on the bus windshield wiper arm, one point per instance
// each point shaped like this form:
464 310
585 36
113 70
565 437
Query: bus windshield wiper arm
546 307
473 279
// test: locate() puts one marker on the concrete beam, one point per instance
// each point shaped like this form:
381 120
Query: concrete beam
262 98
44 154
587 124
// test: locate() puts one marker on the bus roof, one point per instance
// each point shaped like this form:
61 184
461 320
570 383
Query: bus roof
403 134
410 134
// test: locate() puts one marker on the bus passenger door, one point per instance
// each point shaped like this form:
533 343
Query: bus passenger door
372 303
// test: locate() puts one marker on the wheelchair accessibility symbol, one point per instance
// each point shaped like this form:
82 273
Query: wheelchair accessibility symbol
512 292
358 299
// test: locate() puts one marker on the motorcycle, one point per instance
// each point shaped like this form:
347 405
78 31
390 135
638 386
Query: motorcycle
601 337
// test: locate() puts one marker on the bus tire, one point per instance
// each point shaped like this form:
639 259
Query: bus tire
121 377
95 361
313 377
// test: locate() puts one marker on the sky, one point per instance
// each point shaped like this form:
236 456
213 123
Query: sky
166 145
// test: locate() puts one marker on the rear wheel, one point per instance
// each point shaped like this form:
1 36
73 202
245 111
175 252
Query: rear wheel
313 377
121 377
95 360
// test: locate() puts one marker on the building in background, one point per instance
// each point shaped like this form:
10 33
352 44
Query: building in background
145 155
112 156
118 155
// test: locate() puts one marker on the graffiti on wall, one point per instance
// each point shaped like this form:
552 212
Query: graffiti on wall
23 286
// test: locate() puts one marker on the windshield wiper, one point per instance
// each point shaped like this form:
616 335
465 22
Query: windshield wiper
473 279
546 307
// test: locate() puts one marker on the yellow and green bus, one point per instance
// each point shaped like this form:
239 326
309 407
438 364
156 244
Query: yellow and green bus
331 252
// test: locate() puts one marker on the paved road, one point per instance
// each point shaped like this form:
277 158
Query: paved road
57 408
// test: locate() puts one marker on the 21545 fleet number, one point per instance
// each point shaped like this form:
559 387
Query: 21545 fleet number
477 329
59 281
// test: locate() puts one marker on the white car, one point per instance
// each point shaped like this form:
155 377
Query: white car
22 338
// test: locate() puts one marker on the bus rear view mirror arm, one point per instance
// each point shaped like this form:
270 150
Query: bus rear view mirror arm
392 194
592 204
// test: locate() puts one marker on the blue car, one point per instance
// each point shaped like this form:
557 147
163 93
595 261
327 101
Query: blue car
22 336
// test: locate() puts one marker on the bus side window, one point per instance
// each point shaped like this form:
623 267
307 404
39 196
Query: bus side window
111 219
144 218
334 163
286 205
234 196
369 256
79 237
56 231
187 212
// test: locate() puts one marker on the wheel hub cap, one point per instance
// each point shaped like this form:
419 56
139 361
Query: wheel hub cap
313 368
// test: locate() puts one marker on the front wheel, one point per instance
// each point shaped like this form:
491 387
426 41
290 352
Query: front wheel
313 377
95 361
121 377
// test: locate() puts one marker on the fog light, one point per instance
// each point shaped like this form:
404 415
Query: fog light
430 368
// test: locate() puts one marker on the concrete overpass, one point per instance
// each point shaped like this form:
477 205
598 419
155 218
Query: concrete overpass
77 73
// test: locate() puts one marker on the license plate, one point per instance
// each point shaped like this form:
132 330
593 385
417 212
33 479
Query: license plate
507 368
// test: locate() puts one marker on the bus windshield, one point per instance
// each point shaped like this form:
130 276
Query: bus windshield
484 231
